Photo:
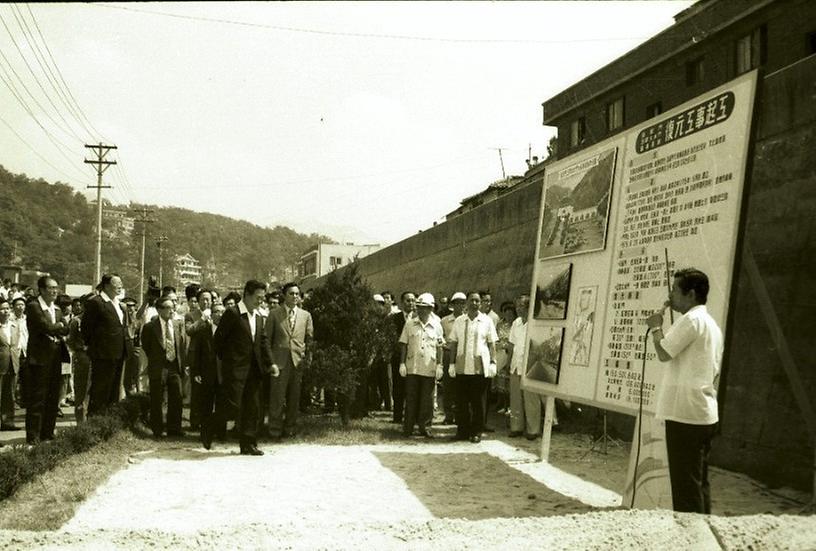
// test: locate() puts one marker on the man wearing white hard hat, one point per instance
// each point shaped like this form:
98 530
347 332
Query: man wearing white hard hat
421 344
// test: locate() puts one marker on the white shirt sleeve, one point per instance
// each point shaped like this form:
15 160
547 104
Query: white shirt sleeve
679 336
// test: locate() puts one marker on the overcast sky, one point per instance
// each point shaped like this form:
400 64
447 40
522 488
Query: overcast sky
365 121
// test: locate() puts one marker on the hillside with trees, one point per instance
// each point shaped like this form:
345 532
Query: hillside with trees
52 228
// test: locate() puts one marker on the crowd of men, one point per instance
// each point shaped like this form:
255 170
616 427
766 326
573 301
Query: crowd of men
242 357
238 357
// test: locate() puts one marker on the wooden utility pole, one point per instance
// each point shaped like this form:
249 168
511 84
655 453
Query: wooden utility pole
144 220
501 160
160 244
101 166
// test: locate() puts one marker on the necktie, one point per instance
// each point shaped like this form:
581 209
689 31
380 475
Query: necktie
292 319
169 345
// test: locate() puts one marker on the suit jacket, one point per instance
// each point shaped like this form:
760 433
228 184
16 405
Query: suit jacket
289 343
201 354
6 350
19 341
105 336
397 320
235 346
153 346
45 343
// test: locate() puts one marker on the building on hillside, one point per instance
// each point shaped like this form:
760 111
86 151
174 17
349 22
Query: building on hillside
324 258
116 222
186 270
491 193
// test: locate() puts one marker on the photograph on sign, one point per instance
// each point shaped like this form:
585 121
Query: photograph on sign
552 292
544 354
583 325
576 206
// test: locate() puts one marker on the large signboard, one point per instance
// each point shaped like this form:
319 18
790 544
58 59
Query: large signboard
611 217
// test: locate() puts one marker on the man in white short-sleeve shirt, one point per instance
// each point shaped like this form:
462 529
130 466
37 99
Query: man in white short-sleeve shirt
473 362
687 397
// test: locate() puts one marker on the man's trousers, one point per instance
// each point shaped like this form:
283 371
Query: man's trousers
470 404
688 447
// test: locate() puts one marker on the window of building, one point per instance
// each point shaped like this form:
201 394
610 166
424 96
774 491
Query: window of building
750 51
654 110
577 131
695 71
614 115
335 261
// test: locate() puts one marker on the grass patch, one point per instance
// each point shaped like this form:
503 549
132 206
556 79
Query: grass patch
22 463
50 500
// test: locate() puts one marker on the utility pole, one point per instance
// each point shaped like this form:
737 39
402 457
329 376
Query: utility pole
160 245
501 160
101 166
144 220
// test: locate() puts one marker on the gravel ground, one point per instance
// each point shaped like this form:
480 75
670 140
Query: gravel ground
619 530
402 496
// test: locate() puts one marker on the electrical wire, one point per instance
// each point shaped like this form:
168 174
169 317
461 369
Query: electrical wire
361 35
640 416
45 68
67 129
62 78
33 150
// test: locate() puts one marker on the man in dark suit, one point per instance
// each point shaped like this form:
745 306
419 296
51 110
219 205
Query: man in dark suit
165 344
408 302
205 367
105 332
290 332
46 352
240 344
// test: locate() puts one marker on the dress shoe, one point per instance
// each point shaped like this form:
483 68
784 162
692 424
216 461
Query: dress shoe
475 438
459 438
530 437
515 433
427 434
206 437
176 433
251 450
60 413
9 426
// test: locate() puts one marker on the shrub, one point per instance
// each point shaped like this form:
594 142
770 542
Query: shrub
349 333
22 463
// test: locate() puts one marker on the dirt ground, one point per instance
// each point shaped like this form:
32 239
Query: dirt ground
394 493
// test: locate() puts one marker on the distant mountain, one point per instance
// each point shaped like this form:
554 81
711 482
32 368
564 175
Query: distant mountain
52 228
594 184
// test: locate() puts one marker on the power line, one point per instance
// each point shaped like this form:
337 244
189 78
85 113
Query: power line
59 73
364 35
69 130
45 68
56 142
37 153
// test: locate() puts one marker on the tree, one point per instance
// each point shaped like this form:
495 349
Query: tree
350 332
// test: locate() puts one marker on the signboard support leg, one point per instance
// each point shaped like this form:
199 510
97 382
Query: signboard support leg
546 435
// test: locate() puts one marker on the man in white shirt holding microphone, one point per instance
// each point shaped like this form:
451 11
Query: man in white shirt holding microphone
687 397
